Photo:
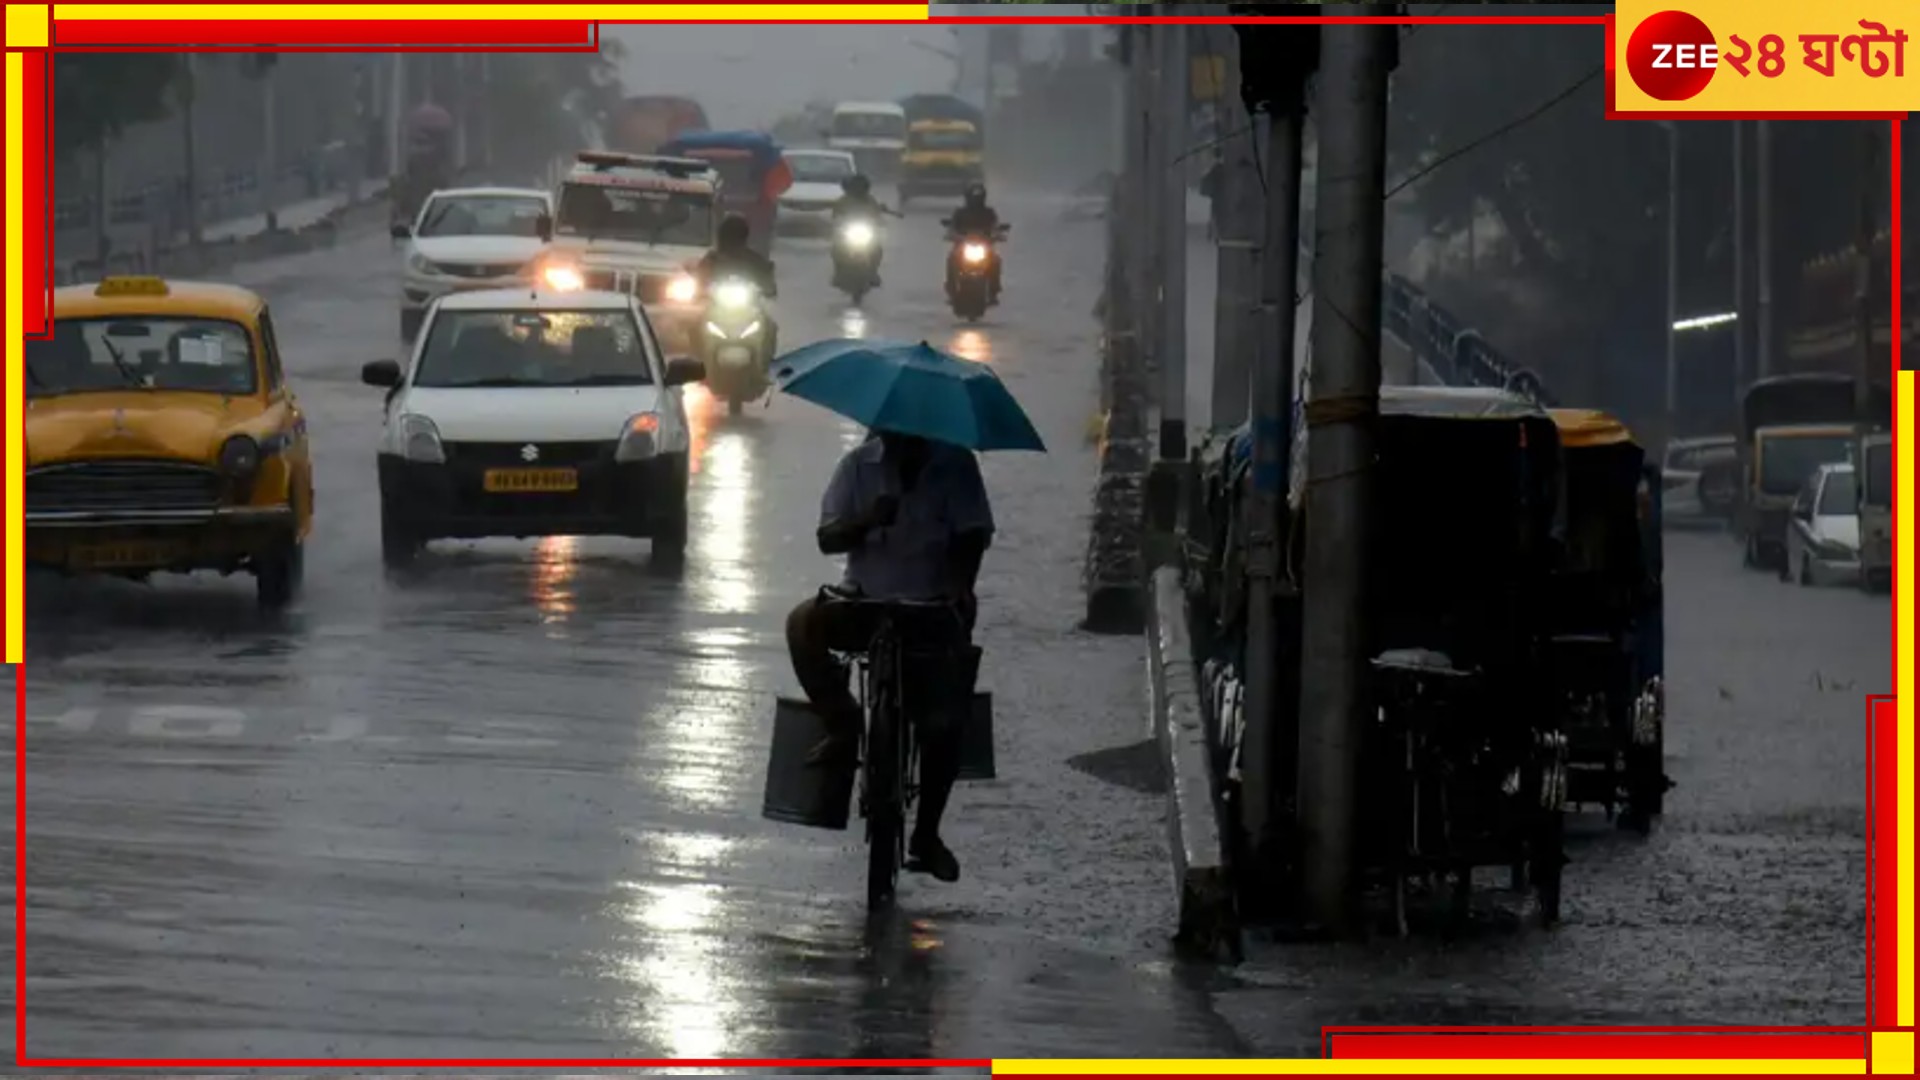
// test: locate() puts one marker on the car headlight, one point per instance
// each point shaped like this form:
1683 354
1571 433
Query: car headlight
733 294
974 253
858 234
420 264
563 278
683 289
240 463
420 440
639 439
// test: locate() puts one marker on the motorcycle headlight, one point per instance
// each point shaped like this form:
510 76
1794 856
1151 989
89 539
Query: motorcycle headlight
639 439
240 462
974 253
733 294
562 278
420 264
683 289
420 440
752 329
858 234
716 330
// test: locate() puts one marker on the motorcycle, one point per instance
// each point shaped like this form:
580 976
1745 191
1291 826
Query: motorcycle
970 284
856 250
736 343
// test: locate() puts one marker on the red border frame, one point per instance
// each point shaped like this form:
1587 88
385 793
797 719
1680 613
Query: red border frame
1358 1042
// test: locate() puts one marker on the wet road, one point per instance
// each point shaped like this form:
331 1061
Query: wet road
509 804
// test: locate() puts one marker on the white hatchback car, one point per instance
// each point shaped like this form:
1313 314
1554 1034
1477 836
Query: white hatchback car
532 413
468 238
1823 530
807 206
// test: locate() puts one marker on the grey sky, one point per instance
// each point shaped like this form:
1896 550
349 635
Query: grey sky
747 76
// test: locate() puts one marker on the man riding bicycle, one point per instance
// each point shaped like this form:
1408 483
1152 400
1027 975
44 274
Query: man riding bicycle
913 519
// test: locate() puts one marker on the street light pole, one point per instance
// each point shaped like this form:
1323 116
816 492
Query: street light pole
1673 278
1763 212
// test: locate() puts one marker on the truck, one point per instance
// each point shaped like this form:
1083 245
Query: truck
642 124
874 132
1790 425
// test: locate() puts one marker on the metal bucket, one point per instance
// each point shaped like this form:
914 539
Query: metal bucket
798 793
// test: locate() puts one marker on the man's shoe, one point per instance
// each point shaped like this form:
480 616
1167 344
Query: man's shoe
927 855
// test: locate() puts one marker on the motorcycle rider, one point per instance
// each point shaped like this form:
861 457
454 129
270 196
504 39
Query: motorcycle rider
975 219
732 257
858 201
913 519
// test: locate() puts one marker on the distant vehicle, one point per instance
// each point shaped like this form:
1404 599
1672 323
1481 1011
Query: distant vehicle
468 238
942 157
807 206
637 224
1823 531
753 175
1790 425
529 412
643 124
1700 479
1875 464
874 132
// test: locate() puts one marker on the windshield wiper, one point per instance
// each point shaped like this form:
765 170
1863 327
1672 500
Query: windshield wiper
120 361
608 380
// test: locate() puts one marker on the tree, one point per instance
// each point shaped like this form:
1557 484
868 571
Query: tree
548 100
98 95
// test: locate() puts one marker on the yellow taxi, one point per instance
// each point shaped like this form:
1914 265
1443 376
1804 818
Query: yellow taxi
161 436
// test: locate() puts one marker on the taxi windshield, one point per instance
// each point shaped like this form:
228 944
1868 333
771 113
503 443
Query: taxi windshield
819 168
483 215
534 348
134 352
646 216
943 140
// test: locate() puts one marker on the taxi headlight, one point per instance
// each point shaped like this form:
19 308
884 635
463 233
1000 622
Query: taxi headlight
733 294
858 234
639 440
240 463
562 278
683 289
974 253
420 440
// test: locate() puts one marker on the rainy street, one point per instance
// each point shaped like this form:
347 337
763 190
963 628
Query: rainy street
507 803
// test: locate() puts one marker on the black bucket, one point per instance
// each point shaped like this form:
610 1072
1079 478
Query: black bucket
798 793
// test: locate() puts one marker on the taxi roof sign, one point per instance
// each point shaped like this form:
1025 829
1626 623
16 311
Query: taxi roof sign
131 286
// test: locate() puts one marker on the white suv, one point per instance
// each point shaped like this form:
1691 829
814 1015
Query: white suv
469 238
532 413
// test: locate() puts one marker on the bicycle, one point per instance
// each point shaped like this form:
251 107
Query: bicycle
889 774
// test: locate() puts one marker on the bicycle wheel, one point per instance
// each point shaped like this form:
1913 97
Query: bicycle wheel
885 821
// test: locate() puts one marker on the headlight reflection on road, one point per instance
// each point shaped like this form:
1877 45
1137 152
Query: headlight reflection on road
853 323
699 404
704 747
554 567
722 526
972 345
681 1001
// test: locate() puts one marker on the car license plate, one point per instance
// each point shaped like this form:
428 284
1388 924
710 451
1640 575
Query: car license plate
524 480
122 556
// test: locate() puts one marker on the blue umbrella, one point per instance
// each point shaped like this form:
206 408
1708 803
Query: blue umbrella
909 389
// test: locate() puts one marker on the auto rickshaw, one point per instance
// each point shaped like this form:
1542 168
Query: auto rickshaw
1606 648
753 175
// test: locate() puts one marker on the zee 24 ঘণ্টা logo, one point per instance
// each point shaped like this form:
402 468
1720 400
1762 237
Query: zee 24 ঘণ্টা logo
1672 56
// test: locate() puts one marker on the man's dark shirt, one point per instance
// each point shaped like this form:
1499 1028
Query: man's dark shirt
737 262
975 221
857 206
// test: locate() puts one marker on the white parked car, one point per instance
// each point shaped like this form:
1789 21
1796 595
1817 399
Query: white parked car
1823 530
807 206
534 413
1701 480
468 238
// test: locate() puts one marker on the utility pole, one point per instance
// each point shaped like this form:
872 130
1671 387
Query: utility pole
1863 300
1342 405
1144 260
1742 318
269 144
396 120
190 90
1237 221
1175 114
1763 214
1673 278
1288 56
